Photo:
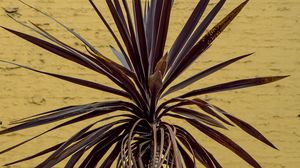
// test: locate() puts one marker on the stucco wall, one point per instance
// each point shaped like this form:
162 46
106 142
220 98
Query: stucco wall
270 28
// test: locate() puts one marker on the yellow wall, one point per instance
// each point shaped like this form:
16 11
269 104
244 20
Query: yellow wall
269 27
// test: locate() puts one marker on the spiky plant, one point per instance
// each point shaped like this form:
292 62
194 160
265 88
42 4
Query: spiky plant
139 136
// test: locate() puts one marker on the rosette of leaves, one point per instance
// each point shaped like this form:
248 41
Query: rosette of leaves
140 136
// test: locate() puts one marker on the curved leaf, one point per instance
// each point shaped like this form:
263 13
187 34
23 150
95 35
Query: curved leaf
243 125
225 141
200 153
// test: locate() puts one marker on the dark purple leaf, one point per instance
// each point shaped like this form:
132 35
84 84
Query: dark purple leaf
140 34
200 153
102 148
225 141
64 26
112 33
202 45
153 30
187 30
77 81
60 116
202 74
205 108
243 125
186 158
239 84
184 113
74 159
132 51
113 155
57 50
62 152
75 120
161 34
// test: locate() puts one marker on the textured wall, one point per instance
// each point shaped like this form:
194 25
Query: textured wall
269 27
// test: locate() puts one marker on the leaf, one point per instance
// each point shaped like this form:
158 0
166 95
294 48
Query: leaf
244 126
167 151
76 81
64 26
43 152
202 74
183 102
205 108
113 155
160 32
194 115
140 34
59 116
126 105
186 158
120 12
48 150
187 30
72 121
120 57
50 162
57 50
87 142
132 51
193 39
121 79
217 29
100 63
203 44
47 35
149 20
152 28
238 84
225 141
96 58
112 33
194 147
97 153
74 159
191 114
130 24
18 121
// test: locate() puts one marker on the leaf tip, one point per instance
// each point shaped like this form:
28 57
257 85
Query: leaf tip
272 79
276 78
